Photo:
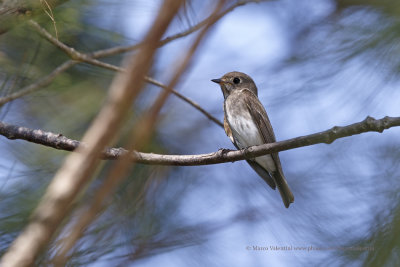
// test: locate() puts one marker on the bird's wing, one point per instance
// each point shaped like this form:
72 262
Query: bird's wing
228 131
261 119
263 173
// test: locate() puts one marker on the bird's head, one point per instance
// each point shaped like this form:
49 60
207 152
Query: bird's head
235 80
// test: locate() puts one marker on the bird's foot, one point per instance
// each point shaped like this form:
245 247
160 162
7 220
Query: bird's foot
224 151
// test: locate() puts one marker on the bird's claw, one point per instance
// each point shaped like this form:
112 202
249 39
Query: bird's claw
224 150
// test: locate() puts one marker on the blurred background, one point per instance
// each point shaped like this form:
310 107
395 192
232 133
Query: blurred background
317 64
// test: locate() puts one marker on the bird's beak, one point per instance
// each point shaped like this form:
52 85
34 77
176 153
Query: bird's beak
217 80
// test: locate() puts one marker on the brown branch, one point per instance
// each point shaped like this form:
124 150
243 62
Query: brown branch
75 174
77 57
71 52
59 141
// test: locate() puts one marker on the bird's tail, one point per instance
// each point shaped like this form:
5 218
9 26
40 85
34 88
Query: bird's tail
283 187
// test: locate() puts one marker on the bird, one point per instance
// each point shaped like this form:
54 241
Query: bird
246 123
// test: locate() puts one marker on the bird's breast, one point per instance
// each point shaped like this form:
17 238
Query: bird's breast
244 129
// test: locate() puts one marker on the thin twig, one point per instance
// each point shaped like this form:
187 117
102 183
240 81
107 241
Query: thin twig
61 142
77 56
50 14
187 100
43 82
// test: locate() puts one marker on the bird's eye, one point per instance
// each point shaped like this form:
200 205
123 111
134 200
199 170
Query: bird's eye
236 80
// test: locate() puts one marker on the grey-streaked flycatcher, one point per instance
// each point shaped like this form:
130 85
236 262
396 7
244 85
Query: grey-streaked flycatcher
246 123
